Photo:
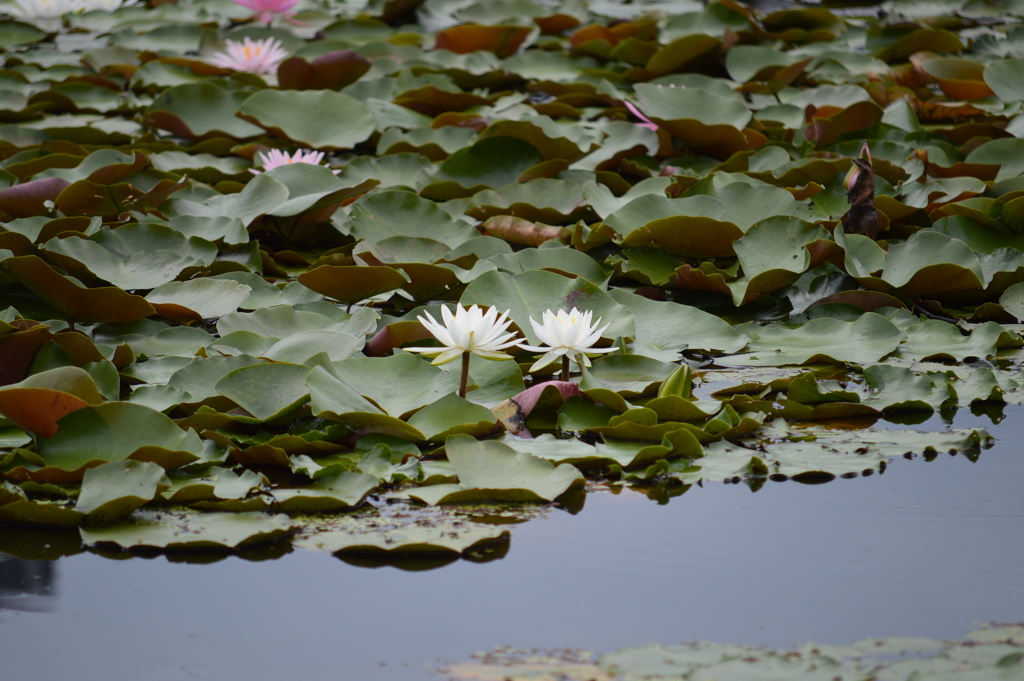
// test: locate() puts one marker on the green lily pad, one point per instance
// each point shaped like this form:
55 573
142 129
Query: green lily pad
663 330
72 301
15 507
696 226
930 338
932 263
266 391
492 471
320 119
300 347
532 293
200 376
207 298
452 415
281 321
135 256
215 484
190 531
488 164
812 453
201 111
399 384
399 213
424 531
116 489
332 398
866 339
331 493
114 431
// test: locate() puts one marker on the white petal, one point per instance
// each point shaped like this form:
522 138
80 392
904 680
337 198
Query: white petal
497 356
544 361
449 355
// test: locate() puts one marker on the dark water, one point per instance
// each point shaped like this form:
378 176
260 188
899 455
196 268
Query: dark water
924 550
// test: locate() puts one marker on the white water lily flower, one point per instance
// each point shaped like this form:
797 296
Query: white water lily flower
469 330
46 14
567 334
275 157
251 56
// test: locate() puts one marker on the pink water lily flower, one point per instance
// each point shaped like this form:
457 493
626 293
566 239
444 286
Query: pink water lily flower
251 56
275 158
266 9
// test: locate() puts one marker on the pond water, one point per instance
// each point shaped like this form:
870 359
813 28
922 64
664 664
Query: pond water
924 549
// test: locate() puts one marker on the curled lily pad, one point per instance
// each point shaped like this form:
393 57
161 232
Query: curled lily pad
113 431
134 256
493 471
331 493
704 120
201 111
114 490
452 415
37 403
696 226
206 298
72 301
351 284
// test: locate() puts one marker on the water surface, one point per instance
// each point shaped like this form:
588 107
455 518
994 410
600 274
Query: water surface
924 549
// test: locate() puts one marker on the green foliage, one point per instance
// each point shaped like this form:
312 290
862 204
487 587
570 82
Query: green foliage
174 326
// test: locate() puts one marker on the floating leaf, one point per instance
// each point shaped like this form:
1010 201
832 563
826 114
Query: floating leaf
74 302
532 293
37 403
201 111
320 119
416 532
114 490
493 471
113 431
191 531
330 71
331 493
134 256
207 298
867 339
266 391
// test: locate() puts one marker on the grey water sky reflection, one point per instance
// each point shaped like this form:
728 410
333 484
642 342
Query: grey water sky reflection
922 550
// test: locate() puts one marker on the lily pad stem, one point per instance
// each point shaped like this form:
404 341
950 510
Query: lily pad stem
465 374
565 367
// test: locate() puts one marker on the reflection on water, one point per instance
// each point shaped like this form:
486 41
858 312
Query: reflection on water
922 550
27 585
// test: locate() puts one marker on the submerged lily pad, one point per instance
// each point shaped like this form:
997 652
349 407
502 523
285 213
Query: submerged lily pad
189 531
420 531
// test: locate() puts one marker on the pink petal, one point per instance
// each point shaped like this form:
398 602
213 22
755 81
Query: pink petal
648 123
